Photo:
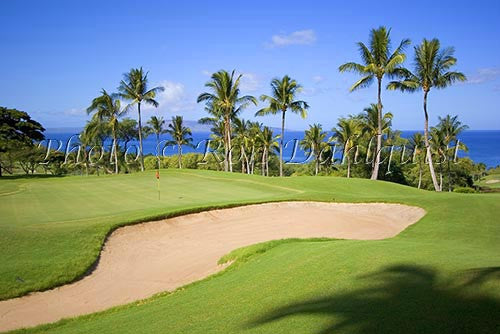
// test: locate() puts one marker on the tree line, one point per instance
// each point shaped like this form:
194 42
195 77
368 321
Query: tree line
256 144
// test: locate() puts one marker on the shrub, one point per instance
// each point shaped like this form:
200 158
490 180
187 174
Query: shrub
464 190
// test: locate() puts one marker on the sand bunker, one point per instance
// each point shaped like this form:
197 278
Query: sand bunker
141 260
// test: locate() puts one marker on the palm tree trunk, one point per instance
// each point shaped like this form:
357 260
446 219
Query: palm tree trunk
449 174
158 149
379 131
251 162
427 145
179 155
441 176
243 160
116 151
348 167
281 141
140 137
263 167
267 163
419 174
317 166
230 154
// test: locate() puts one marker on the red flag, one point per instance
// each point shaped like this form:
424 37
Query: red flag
158 174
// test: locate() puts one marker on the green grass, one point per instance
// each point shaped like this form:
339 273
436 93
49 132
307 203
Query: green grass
492 177
438 276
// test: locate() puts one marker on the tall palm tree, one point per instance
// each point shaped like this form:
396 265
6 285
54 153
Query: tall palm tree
180 134
417 143
134 88
346 133
224 101
283 96
108 108
268 142
451 127
314 139
432 66
378 61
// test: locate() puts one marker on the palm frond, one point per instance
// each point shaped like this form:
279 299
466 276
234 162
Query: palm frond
362 83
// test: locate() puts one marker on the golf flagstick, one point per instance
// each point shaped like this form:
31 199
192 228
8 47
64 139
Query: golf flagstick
158 182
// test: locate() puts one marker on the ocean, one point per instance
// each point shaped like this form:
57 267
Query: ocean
483 145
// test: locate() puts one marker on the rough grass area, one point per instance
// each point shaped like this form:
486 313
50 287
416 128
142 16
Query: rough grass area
441 275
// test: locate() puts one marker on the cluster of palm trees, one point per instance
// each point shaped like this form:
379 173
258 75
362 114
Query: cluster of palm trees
431 70
252 142
107 109
224 102
443 143
353 134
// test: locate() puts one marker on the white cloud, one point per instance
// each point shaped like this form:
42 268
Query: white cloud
75 112
484 75
300 37
206 72
173 98
318 78
249 82
313 91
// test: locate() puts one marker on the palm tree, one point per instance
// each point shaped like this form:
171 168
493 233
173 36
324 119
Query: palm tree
439 147
416 143
217 130
242 136
347 133
283 96
127 131
370 121
268 142
254 129
108 108
451 127
94 134
378 61
90 137
157 127
224 102
314 139
180 134
431 70
134 87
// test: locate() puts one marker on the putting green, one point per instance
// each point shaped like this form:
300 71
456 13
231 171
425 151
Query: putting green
52 229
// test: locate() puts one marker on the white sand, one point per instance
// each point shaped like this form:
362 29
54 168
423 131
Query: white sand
141 260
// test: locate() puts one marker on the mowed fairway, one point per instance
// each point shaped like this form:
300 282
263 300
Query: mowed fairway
441 275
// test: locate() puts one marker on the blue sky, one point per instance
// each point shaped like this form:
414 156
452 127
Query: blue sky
57 55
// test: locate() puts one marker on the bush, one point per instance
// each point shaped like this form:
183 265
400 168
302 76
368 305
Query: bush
464 190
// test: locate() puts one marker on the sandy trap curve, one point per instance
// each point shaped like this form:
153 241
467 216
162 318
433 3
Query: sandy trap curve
141 260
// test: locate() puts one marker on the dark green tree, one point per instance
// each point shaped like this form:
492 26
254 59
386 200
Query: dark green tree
17 130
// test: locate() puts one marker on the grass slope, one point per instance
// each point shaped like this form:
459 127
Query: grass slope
438 276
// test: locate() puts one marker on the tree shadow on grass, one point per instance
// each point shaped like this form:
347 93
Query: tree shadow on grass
405 299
